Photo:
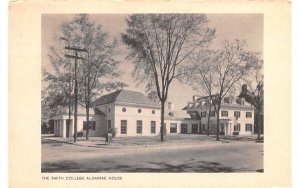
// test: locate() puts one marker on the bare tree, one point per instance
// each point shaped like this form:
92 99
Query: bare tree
253 92
219 71
198 74
159 44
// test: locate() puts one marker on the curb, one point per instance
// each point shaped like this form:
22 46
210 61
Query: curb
142 146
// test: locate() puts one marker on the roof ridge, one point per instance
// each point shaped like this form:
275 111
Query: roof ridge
125 96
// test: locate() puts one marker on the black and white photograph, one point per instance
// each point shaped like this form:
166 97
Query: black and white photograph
170 93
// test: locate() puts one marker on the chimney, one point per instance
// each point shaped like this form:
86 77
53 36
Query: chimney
170 106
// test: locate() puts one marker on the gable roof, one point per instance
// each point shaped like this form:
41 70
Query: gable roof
176 115
125 97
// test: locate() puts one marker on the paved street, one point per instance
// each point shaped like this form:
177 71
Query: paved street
204 157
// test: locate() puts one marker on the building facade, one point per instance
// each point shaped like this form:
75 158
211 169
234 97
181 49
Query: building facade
131 113
236 116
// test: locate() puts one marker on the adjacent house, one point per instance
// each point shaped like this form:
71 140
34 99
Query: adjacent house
131 113
236 116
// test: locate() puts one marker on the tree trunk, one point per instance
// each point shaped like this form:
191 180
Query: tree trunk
68 124
258 124
87 109
218 125
162 118
208 126
75 100
208 119
200 128
88 99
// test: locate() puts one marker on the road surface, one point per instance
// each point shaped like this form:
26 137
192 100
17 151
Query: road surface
206 158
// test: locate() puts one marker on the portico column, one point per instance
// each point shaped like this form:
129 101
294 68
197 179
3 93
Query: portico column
55 128
63 128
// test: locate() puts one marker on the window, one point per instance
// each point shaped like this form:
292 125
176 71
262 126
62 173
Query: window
153 127
203 114
139 127
171 114
248 127
139 110
123 109
237 128
224 113
212 113
237 114
184 128
123 126
108 110
153 111
248 114
173 128
91 126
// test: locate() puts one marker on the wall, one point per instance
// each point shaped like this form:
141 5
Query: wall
109 111
231 120
132 115
188 122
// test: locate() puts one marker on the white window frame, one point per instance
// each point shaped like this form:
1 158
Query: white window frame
123 126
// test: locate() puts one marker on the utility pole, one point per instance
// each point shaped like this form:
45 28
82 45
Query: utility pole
76 49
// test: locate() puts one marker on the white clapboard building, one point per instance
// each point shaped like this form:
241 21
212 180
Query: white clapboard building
236 116
131 113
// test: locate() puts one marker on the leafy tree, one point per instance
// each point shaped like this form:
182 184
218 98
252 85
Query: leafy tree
159 44
219 71
97 70
58 81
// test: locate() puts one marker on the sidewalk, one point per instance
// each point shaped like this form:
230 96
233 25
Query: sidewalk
153 141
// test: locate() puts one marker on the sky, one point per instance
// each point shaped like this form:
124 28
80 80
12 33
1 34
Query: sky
247 27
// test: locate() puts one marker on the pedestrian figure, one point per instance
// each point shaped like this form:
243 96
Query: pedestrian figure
108 139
